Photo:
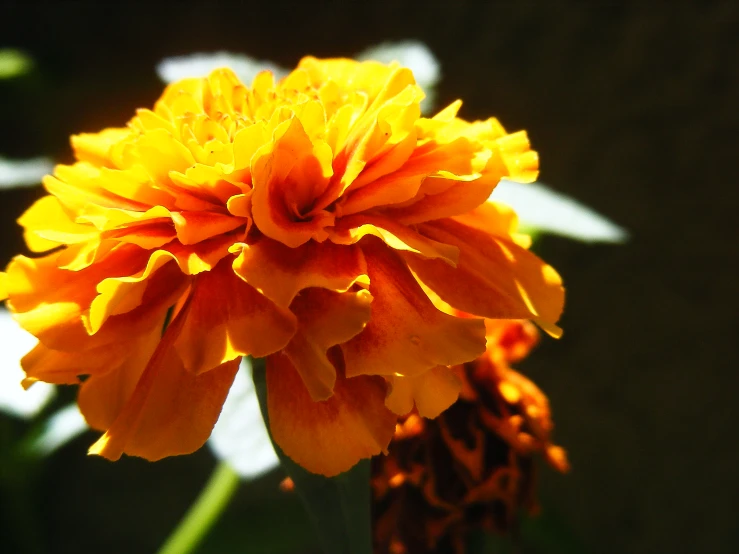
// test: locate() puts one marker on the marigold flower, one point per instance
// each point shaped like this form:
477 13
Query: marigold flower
302 221
471 468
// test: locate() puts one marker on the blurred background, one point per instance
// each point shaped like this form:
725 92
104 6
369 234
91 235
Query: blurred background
633 109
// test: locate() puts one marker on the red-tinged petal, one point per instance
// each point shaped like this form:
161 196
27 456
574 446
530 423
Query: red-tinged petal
401 184
194 227
280 272
228 318
352 229
119 295
372 138
164 289
171 411
148 235
205 255
48 302
325 319
406 333
288 174
494 278
105 393
210 180
458 197
327 437
431 392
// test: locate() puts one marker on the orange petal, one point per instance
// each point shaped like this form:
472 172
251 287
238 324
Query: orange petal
496 219
64 368
48 302
495 277
119 295
353 228
288 175
380 185
431 392
205 255
193 227
171 411
458 197
327 437
280 272
228 318
148 234
105 393
325 318
406 333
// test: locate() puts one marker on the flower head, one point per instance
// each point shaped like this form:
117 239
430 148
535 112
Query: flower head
309 221
471 468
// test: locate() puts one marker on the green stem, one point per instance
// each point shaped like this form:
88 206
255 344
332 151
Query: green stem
201 516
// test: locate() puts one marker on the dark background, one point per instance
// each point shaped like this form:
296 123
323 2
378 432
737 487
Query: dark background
633 108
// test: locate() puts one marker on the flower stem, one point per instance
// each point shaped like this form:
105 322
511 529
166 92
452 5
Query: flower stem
201 516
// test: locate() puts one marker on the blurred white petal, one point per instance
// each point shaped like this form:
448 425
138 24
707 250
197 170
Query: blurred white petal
543 209
59 429
414 55
23 173
14 63
14 344
201 64
240 437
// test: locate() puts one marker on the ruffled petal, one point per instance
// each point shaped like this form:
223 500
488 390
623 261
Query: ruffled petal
458 196
326 318
172 411
105 393
119 295
46 225
64 368
194 227
49 302
288 174
494 278
327 437
280 272
431 392
197 258
352 229
406 333
96 147
228 318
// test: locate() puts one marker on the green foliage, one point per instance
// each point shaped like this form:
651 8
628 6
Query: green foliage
14 63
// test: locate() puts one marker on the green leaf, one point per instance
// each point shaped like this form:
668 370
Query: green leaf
339 507
14 63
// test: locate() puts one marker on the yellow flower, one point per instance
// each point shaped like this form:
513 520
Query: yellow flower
301 221
471 468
